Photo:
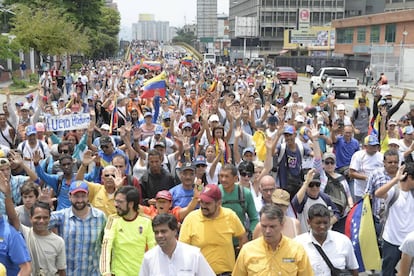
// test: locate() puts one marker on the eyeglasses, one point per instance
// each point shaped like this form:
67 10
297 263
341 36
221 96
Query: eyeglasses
108 175
329 163
104 146
244 174
311 185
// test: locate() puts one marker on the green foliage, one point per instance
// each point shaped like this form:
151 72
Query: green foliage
18 83
75 66
187 37
8 49
33 78
47 30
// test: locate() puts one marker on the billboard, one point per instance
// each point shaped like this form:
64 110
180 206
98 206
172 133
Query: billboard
246 26
304 19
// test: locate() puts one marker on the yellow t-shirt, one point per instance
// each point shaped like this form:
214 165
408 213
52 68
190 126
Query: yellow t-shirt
258 259
213 237
99 198
124 245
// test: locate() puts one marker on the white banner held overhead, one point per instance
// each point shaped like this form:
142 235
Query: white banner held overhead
68 122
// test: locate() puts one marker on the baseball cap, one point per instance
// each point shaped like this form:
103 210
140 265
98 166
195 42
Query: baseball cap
40 126
210 193
143 144
281 196
279 101
105 127
393 141
289 130
408 130
316 178
188 112
300 119
200 160
404 118
340 107
187 166
30 130
164 194
371 140
272 120
61 99
329 155
105 140
146 114
25 106
214 118
159 144
19 104
248 149
158 130
29 96
392 122
186 124
302 131
78 186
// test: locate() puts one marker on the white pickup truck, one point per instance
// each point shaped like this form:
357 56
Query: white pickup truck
338 81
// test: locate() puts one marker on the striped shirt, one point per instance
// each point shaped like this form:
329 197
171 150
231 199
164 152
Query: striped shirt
16 182
82 239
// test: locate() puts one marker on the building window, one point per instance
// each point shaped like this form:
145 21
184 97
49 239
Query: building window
344 36
375 34
361 35
390 32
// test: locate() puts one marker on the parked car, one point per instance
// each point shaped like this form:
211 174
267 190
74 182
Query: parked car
337 79
286 74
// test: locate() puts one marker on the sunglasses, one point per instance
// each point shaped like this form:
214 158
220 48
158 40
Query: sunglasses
329 163
104 146
311 185
108 175
201 166
64 151
244 174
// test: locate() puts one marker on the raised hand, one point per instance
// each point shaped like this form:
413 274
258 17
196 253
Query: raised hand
88 157
119 179
15 158
37 157
401 174
46 195
136 133
4 184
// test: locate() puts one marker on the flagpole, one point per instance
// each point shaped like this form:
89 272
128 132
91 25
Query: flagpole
113 115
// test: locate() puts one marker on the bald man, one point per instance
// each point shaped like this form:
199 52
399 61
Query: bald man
267 185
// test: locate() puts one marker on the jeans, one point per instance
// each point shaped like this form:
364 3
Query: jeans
390 257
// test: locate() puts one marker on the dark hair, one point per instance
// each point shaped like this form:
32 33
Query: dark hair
231 168
42 205
131 193
65 144
272 211
213 132
168 219
28 187
246 166
409 170
391 152
65 156
318 210
154 152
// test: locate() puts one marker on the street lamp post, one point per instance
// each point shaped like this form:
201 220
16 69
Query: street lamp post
400 70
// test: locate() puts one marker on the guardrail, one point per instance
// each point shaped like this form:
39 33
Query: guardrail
196 54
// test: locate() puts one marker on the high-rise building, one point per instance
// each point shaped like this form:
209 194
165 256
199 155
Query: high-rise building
393 5
206 20
149 29
363 7
273 17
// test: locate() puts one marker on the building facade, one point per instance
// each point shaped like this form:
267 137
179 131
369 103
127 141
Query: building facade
393 5
149 29
206 20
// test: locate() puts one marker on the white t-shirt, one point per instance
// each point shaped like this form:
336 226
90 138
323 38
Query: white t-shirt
213 180
407 247
365 164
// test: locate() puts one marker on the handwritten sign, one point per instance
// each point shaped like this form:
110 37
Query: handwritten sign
68 122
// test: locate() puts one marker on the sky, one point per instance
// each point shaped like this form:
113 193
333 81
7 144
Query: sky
177 12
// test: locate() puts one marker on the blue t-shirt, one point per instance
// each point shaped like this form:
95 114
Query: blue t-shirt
322 143
13 249
181 197
344 151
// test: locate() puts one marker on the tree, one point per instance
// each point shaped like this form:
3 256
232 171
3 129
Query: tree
8 48
182 36
47 30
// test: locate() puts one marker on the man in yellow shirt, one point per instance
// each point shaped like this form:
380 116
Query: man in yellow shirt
273 253
127 236
211 228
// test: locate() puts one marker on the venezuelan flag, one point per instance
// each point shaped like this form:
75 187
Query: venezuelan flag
359 227
152 65
187 61
156 83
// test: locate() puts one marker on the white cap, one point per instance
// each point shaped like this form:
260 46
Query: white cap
394 141
340 107
300 119
214 118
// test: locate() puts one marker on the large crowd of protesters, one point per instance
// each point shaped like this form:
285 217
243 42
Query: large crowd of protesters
192 168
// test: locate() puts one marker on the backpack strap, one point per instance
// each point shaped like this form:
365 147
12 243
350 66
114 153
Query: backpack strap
59 185
129 179
242 198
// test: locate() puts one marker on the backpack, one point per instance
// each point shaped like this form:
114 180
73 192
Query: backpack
40 145
356 113
241 201
336 192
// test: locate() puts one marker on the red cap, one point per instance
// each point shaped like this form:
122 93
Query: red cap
164 194
44 98
210 193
